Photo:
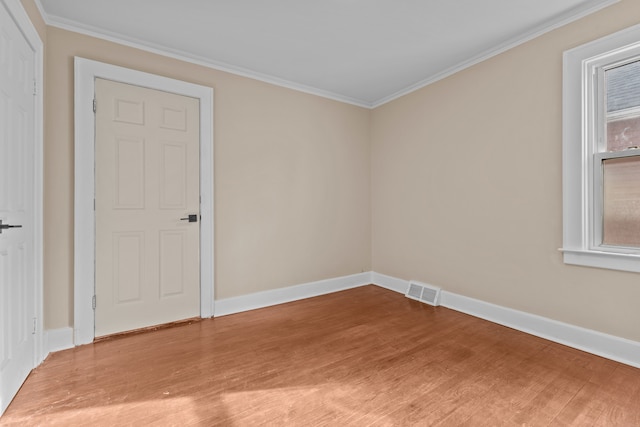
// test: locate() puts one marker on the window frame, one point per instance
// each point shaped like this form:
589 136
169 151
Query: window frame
583 135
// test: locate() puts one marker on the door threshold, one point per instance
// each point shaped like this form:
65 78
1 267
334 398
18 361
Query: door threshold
124 334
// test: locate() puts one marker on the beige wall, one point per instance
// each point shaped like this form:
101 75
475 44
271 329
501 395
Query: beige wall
292 183
465 182
467 186
35 17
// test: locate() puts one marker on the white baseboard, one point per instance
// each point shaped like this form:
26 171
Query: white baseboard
608 346
611 347
62 339
58 339
391 283
293 293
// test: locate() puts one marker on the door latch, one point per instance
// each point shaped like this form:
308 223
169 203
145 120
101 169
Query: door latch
6 226
190 218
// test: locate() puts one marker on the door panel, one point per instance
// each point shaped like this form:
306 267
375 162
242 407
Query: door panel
129 173
128 275
173 247
147 179
173 174
17 195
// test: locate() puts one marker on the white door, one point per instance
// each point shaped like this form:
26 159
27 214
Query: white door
17 190
147 207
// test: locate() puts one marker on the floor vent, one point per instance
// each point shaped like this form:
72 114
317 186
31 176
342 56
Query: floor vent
423 292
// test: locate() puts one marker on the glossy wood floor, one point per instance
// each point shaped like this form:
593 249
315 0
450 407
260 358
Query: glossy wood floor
363 357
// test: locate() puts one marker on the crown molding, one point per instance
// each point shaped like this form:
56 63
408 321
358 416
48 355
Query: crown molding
77 27
564 19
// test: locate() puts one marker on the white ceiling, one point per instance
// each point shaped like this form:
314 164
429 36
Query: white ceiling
364 52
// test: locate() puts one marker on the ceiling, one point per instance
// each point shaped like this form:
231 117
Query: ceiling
364 52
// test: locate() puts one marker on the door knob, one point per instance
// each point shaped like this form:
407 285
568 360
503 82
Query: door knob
190 218
6 226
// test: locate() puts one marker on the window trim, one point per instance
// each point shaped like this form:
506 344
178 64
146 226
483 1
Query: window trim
580 139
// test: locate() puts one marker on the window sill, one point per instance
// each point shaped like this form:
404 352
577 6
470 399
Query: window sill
598 259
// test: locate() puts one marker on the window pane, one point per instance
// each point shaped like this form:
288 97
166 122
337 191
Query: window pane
621 210
623 134
623 106
623 87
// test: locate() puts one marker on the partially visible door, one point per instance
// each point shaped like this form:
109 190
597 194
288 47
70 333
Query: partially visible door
17 215
147 207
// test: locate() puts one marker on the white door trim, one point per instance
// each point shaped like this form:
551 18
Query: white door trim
86 71
21 18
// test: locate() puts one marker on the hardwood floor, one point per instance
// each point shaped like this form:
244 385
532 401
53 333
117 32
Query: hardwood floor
363 357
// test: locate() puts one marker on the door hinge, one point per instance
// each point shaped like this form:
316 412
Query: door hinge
93 302
94 105
35 325
35 87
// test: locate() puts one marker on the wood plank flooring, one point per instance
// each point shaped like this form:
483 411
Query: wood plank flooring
362 357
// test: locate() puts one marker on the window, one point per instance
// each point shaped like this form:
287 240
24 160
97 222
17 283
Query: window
601 153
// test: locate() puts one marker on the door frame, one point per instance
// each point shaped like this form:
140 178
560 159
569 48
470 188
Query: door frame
19 15
86 71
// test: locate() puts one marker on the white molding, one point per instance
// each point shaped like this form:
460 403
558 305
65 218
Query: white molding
58 339
609 260
20 16
84 227
608 346
391 283
567 18
289 294
580 202
91 31
74 26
